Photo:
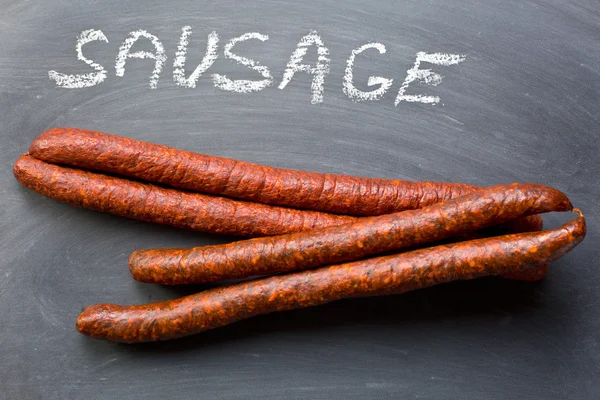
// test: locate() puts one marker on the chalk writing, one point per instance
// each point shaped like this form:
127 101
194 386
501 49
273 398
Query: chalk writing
319 70
159 57
358 95
426 76
243 85
212 49
82 80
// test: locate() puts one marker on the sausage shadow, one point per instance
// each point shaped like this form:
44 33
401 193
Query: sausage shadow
483 298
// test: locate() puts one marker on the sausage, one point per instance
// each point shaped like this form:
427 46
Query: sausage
152 203
371 277
340 194
332 245
331 193
167 206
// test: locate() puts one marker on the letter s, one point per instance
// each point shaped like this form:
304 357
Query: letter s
82 80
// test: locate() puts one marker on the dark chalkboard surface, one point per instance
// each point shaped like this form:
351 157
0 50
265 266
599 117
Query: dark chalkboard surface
487 92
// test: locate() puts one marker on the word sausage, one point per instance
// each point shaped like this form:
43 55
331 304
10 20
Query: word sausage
318 71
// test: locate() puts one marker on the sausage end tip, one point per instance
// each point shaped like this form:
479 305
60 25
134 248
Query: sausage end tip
19 167
91 319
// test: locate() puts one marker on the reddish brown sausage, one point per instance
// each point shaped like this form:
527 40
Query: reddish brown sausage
340 194
384 275
166 206
332 245
221 176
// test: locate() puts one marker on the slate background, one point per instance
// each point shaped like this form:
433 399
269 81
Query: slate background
524 107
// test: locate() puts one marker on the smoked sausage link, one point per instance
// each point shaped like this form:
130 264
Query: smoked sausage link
181 209
332 245
340 194
152 203
333 193
377 276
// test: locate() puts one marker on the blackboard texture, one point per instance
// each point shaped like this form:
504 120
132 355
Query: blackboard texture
518 100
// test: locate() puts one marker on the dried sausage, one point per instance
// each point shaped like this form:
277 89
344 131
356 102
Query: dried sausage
340 194
152 203
332 245
376 276
168 206
332 193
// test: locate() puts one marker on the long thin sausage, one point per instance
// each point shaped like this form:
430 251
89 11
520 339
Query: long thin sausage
168 206
341 194
332 245
377 276
152 203
331 193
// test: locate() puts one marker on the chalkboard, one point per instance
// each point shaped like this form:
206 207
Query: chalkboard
482 92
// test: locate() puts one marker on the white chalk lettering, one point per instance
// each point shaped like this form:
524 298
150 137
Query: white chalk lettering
124 53
348 84
82 80
376 86
426 76
244 85
212 46
319 71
